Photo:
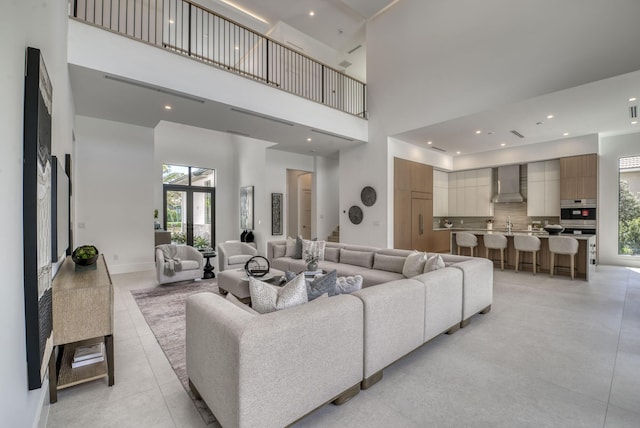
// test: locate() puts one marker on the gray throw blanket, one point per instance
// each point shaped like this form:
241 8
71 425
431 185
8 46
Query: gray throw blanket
172 264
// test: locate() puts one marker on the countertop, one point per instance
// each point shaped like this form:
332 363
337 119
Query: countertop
539 234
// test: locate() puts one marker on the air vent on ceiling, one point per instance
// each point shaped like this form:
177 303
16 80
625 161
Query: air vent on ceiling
317 131
354 49
438 149
633 110
344 64
517 134
154 88
262 116
242 134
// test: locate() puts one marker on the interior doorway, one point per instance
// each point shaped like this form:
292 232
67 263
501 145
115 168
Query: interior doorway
299 203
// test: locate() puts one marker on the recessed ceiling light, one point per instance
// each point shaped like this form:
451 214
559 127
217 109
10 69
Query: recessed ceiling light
311 13
458 152
478 131
549 116
635 122
565 134
167 107
245 11
503 144
429 142
632 99
237 48
309 139
171 21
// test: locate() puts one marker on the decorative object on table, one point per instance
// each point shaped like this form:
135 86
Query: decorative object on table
249 237
554 229
257 266
156 222
37 231
276 213
355 214
489 224
85 255
448 224
368 196
312 256
246 208
243 236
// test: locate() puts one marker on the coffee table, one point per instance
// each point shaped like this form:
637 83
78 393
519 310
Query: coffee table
236 282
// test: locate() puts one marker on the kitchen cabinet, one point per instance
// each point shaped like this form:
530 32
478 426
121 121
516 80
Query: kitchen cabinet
421 221
470 193
413 204
440 194
543 188
579 177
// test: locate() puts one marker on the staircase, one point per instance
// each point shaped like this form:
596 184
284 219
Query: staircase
335 235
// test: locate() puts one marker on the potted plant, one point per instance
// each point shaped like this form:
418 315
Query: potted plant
312 259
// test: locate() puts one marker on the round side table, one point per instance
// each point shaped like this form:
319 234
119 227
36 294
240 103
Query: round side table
208 267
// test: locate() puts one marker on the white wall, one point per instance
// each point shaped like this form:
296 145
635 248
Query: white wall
611 150
41 25
326 196
113 188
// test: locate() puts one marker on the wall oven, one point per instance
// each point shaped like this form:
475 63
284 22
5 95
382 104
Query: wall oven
578 215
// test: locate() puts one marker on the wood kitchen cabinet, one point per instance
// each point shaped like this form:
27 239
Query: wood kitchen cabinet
579 177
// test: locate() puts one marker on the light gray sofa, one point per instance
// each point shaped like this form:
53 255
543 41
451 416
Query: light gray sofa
270 370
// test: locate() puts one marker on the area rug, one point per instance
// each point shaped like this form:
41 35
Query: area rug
163 308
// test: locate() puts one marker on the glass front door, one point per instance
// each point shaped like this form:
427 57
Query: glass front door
189 215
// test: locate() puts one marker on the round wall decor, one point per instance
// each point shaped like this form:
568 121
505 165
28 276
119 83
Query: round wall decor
355 214
368 196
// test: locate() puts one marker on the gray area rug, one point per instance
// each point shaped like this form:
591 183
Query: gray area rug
163 308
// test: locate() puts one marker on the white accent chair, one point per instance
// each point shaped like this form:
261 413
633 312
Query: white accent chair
466 240
191 261
529 244
234 255
563 245
495 242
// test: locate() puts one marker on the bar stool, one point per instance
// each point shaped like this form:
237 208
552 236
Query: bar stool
563 245
466 240
526 243
495 242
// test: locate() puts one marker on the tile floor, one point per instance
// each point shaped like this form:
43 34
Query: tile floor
551 353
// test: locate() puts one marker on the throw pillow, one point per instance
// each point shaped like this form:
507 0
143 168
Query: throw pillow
347 284
434 262
388 263
290 247
322 284
414 264
279 251
267 298
332 254
233 299
298 253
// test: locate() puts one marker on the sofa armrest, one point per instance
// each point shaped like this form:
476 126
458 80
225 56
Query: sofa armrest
245 366
477 290
193 254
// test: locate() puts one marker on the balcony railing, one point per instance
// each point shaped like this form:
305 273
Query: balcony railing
191 30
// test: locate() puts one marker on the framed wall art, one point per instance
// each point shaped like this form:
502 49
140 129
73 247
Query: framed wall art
37 217
276 213
246 208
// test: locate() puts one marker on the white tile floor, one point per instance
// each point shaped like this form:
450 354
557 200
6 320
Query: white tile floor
551 353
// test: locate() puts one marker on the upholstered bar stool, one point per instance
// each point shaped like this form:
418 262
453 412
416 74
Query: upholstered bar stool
466 240
495 242
527 243
563 245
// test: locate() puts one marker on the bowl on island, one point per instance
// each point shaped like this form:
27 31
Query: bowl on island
448 225
554 229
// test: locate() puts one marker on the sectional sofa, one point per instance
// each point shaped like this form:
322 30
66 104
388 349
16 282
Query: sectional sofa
270 370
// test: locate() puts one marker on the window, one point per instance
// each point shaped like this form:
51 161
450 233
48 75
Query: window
629 206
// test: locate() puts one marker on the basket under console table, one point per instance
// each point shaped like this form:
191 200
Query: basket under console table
82 310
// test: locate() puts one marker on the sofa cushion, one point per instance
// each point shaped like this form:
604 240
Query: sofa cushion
233 299
347 285
190 264
332 254
322 284
434 262
267 298
388 263
414 264
239 259
279 251
357 258
374 277
281 263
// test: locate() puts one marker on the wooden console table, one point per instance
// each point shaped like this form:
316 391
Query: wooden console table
82 309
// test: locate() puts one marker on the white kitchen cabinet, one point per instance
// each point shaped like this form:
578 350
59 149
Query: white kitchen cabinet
453 201
483 177
543 188
470 201
440 193
470 193
484 206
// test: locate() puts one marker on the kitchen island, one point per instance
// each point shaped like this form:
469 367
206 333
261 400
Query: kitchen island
585 258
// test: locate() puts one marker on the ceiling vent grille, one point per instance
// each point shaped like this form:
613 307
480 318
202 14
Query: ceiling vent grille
438 149
344 64
517 134
354 49
633 111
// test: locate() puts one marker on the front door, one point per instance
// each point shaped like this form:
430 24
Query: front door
189 214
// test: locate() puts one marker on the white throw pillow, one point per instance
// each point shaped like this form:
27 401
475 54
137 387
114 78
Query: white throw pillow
348 284
434 262
291 247
267 298
414 264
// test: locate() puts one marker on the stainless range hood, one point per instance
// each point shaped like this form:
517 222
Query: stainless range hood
508 185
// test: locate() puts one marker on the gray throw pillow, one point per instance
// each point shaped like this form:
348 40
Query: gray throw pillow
290 249
267 298
347 284
298 253
322 284
279 251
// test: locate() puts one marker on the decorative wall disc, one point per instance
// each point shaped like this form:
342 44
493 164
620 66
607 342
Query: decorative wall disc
355 214
368 196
